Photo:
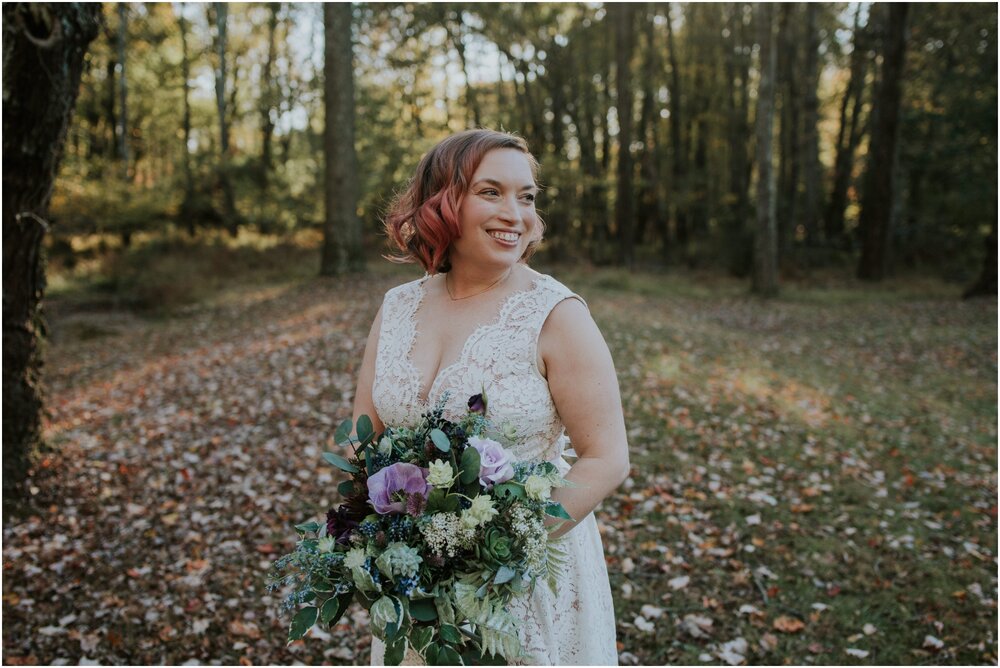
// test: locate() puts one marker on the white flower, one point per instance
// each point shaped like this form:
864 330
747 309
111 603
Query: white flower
480 512
355 558
326 543
538 488
441 474
385 446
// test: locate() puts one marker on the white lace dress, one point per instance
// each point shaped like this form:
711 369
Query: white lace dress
576 626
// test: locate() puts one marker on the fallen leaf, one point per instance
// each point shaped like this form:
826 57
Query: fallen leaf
788 624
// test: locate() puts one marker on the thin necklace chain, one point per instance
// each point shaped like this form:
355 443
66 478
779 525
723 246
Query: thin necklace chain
489 287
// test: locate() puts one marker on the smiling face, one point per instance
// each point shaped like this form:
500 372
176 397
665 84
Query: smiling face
497 215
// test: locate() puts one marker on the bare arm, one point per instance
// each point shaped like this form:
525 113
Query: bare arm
584 387
363 403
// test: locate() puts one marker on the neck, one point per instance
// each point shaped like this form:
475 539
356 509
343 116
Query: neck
465 281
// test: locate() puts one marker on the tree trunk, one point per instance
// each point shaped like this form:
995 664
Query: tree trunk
875 222
765 261
268 106
739 229
221 11
624 201
454 27
679 175
122 91
788 187
43 50
986 284
848 136
810 129
187 206
649 185
342 243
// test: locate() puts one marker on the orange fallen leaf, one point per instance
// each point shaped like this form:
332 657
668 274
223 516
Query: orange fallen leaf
788 624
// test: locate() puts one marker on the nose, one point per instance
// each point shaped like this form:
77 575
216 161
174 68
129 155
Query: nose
510 210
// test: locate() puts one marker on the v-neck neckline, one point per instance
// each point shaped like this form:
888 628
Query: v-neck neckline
464 352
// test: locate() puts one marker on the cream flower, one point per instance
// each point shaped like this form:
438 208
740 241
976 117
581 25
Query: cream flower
355 558
441 474
538 488
480 512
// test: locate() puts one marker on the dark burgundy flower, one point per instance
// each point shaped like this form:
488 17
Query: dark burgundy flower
340 524
477 404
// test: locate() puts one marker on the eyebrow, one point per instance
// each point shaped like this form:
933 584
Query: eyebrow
496 183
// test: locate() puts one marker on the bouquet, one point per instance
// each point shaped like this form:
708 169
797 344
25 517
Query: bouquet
438 531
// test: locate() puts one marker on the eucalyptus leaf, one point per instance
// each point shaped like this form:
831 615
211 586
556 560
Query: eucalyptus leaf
301 622
346 488
441 441
365 428
343 434
340 462
504 574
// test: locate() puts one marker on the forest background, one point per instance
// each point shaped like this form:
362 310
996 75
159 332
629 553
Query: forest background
210 262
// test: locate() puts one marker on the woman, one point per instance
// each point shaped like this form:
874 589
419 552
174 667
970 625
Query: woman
482 319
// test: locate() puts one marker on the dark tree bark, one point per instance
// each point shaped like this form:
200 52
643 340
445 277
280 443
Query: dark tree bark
737 65
986 284
122 129
43 50
187 206
848 136
624 202
268 102
221 14
765 261
342 243
788 181
810 129
679 150
649 199
876 209
454 25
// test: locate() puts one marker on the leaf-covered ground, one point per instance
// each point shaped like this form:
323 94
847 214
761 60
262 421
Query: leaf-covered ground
814 479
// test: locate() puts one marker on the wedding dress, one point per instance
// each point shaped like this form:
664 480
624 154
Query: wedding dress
577 624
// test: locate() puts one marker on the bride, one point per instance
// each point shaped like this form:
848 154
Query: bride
480 318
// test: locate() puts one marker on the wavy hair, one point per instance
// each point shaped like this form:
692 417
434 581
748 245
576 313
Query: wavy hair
422 220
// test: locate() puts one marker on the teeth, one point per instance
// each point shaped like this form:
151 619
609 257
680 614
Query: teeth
505 236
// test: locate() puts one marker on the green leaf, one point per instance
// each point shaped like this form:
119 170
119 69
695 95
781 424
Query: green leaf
344 600
435 501
509 489
448 657
470 466
365 428
340 462
421 637
504 574
423 610
302 622
431 654
307 526
556 510
329 610
346 488
343 434
441 441
394 652
450 633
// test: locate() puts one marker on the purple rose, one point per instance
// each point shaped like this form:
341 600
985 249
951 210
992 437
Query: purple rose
494 462
390 488
477 404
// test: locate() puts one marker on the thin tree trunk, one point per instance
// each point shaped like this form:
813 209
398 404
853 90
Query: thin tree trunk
122 91
43 51
342 240
187 206
221 11
848 136
765 270
810 128
876 209
268 105
739 229
454 28
679 149
788 187
624 202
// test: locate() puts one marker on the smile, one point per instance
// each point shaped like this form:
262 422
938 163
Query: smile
504 236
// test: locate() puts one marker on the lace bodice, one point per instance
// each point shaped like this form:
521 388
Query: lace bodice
499 356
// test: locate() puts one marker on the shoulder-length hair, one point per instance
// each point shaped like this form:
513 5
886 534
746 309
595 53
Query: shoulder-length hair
422 220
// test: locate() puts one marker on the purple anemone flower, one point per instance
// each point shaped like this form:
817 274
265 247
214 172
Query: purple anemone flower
390 488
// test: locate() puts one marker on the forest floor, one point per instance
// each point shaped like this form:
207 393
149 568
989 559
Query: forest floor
814 478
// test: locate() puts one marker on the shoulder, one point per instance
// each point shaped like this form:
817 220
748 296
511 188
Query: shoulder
404 289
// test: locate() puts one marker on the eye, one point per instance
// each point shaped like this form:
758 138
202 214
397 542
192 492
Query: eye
490 191
529 197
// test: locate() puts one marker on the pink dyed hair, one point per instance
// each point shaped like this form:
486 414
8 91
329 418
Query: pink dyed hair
422 220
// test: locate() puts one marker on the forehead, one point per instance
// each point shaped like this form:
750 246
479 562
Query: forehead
505 164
